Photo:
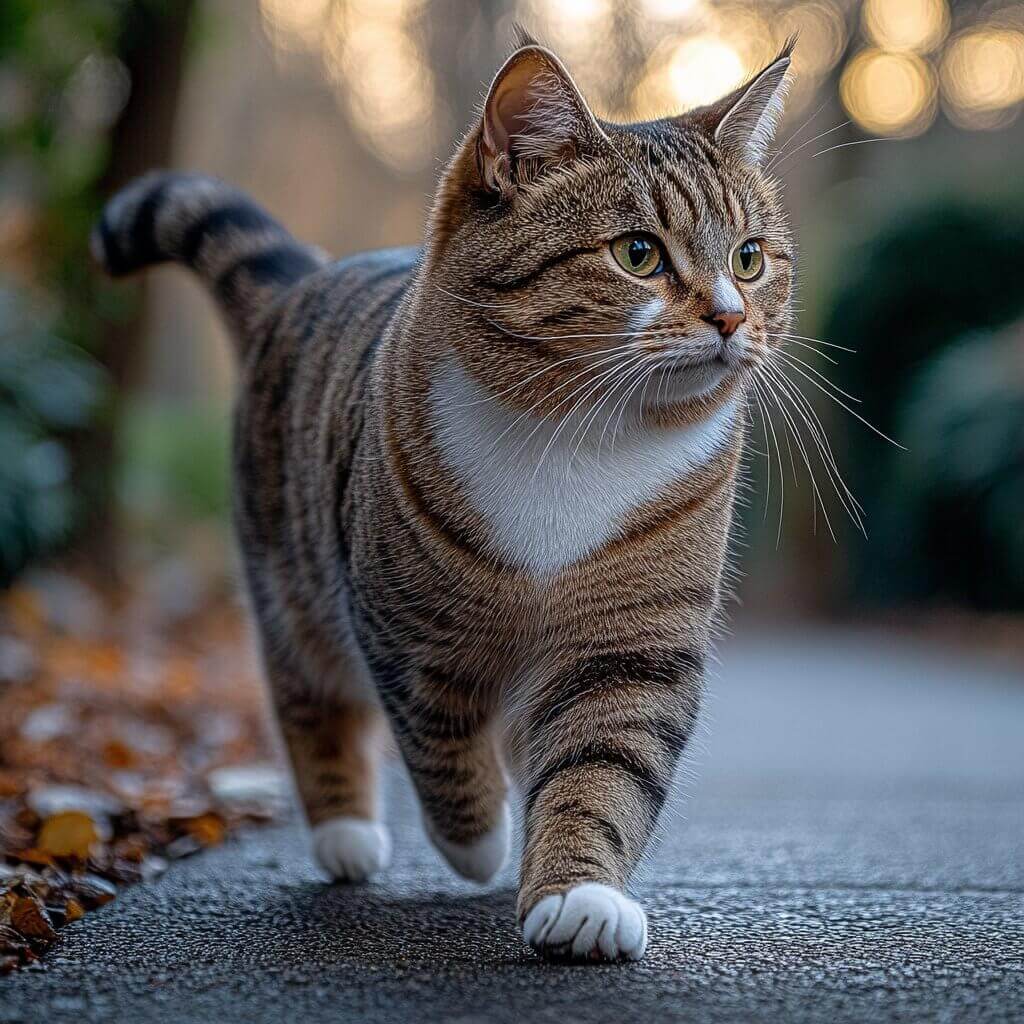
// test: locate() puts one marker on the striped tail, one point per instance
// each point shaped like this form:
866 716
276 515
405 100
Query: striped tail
245 257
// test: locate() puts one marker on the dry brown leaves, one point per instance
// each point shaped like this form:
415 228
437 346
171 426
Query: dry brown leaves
130 735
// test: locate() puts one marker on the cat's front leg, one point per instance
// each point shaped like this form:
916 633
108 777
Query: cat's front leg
604 739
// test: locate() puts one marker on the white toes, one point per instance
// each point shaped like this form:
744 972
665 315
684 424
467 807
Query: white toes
482 859
587 922
351 849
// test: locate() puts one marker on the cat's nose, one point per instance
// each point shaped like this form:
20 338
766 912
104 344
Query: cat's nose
727 321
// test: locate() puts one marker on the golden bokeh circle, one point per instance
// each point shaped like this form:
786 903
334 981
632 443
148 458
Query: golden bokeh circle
917 26
983 77
889 93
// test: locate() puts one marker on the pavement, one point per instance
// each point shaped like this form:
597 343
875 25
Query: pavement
845 846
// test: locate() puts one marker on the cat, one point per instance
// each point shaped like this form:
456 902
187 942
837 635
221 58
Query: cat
483 489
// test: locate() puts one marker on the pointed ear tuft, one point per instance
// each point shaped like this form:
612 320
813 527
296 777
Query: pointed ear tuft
746 120
534 117
521 37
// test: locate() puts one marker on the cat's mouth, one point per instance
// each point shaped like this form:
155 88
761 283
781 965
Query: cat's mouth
690 378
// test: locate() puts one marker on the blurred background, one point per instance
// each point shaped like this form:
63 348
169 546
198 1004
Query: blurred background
121 640
902 178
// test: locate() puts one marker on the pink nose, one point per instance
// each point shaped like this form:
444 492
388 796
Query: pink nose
727 321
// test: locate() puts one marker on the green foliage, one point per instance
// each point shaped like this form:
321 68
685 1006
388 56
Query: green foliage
907 297
174 463
965 425
63 87
48 389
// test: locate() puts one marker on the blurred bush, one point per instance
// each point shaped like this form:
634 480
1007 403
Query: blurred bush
88 90
173 464
49 388
912 302
965 427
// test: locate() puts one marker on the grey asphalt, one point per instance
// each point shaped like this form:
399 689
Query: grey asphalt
846 846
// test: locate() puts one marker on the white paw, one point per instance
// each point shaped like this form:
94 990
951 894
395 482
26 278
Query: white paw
482 859
590 921
351 849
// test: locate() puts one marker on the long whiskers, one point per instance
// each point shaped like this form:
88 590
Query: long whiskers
805 412
649 333
791 359
542 400
794 432
546 368
852 412
626 364
766 423
804 145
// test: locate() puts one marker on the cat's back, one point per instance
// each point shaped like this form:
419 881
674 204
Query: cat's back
300 409
322 334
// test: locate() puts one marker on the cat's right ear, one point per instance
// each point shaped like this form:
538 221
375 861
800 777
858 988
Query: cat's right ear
533 117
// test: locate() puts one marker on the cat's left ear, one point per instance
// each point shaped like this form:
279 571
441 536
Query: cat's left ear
744 122
533 117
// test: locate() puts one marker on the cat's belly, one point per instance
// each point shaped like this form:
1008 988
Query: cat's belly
552 498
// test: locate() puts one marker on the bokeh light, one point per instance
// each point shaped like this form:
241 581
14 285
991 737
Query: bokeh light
983 77
889 93
913 25
380 74
581 33
671 10
294 24
686 73
821 28
651 58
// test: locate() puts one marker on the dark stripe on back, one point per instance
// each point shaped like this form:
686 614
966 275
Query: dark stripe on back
281 264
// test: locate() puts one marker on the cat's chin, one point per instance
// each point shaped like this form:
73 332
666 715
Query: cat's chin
690 383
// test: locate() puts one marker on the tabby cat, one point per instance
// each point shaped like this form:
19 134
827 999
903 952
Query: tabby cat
483 488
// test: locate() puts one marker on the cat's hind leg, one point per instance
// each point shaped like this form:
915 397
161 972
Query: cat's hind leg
335 737
445 732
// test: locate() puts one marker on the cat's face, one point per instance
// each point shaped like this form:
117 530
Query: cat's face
645 267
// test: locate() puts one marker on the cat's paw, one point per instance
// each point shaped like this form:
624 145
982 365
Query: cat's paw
351 849
482 859
588 922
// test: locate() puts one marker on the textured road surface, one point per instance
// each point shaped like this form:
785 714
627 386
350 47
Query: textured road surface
847 846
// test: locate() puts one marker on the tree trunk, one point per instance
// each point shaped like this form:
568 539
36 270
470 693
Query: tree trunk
152 47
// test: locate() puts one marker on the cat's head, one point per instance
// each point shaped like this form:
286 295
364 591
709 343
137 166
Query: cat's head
578 258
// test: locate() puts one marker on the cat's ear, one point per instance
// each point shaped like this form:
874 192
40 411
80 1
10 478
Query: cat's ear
744 122
533 117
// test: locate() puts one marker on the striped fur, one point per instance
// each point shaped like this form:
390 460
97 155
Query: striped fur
483 490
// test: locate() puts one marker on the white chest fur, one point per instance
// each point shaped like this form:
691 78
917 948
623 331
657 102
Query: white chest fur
549 503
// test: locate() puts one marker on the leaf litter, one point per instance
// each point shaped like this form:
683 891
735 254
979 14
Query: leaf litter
132 734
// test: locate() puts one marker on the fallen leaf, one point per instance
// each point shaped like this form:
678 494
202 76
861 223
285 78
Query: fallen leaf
29 916
119 755
208 829
92 891
69 834
33 855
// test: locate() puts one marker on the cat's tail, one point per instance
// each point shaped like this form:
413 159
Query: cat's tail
242 254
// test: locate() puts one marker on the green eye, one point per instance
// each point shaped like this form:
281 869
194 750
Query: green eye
638 254
748 260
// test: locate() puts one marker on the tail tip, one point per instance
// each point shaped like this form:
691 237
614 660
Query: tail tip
98 246
104 250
